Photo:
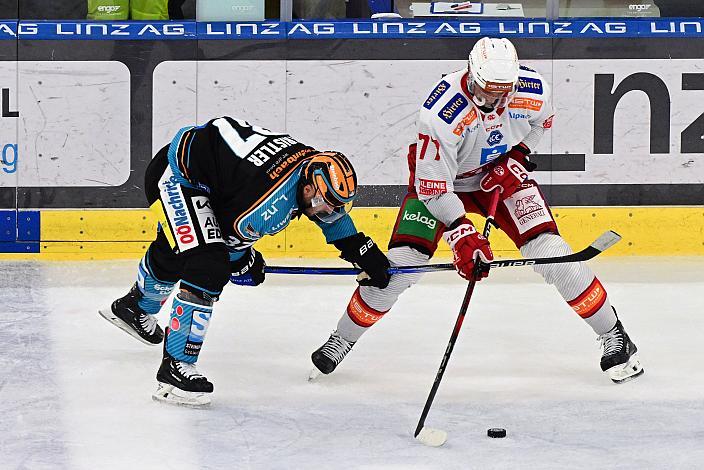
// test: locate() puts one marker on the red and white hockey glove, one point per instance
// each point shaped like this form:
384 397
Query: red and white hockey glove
466 244
508 171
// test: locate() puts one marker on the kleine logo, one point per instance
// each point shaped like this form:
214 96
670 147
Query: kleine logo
431 187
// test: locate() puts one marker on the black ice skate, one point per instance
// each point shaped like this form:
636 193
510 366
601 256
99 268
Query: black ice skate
180 383
328 356
619 359
126 314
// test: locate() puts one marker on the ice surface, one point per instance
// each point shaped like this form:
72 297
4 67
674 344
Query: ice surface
75 392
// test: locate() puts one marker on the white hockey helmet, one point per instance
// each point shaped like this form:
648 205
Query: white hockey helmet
493 72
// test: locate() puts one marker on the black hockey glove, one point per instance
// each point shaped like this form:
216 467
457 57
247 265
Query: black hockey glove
248 270
361 251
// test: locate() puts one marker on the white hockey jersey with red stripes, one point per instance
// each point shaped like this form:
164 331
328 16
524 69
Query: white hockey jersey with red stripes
456 140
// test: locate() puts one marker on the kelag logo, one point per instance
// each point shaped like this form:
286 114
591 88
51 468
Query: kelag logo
8 152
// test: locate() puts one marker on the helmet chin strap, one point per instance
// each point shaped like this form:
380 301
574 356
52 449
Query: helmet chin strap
482 104
480 101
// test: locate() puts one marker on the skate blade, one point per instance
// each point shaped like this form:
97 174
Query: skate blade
167 393
625 372
107 314
314 374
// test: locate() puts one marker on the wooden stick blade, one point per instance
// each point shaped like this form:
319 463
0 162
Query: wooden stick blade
432 437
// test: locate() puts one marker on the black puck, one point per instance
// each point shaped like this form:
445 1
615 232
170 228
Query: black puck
496 432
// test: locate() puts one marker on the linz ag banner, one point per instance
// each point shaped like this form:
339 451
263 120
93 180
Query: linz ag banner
367 29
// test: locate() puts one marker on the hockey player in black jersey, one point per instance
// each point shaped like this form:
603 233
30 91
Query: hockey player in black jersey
217 189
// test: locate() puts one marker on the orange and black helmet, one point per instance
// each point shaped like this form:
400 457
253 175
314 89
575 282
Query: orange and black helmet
332 174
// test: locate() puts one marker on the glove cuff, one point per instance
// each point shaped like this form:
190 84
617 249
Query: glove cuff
242 265
522 148
349 246
457 223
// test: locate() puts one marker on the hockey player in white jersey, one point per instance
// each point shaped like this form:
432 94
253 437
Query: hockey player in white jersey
477 128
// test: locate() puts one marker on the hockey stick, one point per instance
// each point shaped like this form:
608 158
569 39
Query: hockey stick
437 437
606 240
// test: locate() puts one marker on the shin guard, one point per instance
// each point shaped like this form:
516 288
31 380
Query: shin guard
154 292
187 327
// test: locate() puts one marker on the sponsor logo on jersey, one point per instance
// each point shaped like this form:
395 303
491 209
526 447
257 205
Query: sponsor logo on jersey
489 154
452 108
527 209
491 117
177 212
206 220
495 126
423 219
467 120
282 225
513 115
530 85
527 69
431 187
526 103
495 138
287 163
436 94
271 210
547 124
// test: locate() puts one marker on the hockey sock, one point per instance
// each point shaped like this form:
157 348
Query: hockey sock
187 326
154 292
574 281
368 304
594 307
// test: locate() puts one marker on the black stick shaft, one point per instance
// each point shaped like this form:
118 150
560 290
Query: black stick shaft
460 319
603 242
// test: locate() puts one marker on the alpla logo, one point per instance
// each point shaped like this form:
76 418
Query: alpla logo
423 219
109 8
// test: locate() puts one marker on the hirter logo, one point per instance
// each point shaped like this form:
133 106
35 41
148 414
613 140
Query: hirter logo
431 187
